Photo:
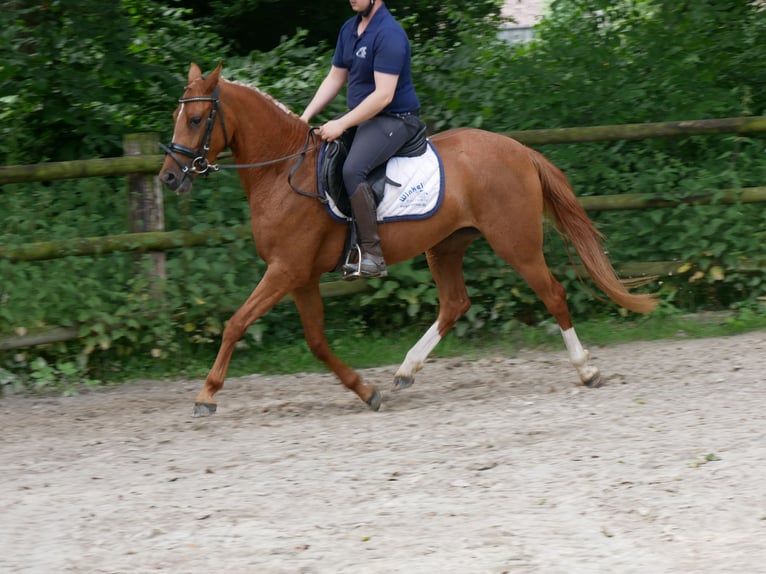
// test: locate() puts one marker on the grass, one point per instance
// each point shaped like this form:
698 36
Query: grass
361 351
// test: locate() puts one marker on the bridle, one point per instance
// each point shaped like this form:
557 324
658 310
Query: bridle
200 165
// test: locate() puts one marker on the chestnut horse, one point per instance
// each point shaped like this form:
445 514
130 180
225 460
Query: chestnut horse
495 187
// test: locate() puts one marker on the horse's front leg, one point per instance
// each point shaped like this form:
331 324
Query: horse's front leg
308 300
272 287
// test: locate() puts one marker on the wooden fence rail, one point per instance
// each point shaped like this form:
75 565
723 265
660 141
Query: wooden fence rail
742 126
119 166
155 241
165 240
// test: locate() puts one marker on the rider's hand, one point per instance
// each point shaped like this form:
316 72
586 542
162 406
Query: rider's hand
332 130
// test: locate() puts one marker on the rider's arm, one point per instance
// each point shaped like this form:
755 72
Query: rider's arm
328 89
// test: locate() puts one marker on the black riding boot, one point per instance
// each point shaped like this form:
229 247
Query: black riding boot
371 262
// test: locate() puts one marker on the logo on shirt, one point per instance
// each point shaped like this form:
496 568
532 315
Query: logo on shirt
362 52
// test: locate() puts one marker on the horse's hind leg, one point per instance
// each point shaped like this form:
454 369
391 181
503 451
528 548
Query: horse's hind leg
522 248
530 264
446 263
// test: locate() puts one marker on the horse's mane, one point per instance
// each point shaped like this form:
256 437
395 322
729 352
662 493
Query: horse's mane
264 95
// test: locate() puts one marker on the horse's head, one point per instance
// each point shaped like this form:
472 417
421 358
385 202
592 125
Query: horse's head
199 134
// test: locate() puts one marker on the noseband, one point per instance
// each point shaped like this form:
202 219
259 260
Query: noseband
199 164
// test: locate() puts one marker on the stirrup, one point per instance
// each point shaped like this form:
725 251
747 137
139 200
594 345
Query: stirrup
352 271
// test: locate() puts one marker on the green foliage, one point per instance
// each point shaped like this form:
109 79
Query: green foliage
262 25
73 82
462 78
291 72
600 63
75 76
40 376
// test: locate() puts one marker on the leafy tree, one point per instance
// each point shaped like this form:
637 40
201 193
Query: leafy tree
75 76
601 62
262 24
73 81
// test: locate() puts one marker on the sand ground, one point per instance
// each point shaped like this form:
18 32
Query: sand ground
487 466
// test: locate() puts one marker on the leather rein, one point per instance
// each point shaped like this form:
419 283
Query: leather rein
200 165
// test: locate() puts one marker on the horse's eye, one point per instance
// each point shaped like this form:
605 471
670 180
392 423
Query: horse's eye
195 121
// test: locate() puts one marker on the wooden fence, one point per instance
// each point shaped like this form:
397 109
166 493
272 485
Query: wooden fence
148 236
153 239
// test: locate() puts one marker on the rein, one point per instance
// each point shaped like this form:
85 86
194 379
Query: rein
200 165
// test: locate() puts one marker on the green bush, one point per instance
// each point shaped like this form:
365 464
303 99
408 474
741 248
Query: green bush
592 62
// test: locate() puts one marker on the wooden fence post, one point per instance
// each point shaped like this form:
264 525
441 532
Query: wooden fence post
145 207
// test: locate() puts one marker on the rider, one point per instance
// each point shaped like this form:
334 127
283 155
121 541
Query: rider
372 56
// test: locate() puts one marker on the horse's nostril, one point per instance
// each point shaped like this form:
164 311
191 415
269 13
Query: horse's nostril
169 179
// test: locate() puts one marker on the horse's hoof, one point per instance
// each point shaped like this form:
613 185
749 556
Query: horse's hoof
594 382
374 401
204 409
402 382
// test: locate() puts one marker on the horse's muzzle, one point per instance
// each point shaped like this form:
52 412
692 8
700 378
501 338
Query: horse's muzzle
176 181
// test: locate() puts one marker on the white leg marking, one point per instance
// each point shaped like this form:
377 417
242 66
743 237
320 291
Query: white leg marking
416 356
578 356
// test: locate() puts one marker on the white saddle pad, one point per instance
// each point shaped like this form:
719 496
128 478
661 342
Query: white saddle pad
418 191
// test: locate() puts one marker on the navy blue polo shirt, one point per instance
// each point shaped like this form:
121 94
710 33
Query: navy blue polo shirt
383 47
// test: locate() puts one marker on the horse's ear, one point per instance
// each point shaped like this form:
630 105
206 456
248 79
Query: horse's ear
194 73
215 74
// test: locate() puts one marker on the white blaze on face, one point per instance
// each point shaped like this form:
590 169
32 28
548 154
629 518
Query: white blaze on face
178 118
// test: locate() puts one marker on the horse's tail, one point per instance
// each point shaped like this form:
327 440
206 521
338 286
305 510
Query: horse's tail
570 219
